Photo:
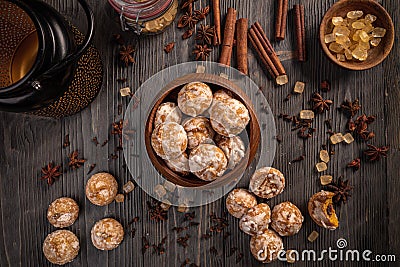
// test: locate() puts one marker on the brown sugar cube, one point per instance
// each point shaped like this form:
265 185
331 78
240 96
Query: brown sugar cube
233 148
61 247
128 187
62 212
107 234
321 210
266 247
313 236
229 117
307 114
101 189
167 112
194 98
239 201
256 220
120 198
286 219
267 182
199 131
299 87
169 140
207 162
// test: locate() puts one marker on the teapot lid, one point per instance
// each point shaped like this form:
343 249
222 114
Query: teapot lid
141 9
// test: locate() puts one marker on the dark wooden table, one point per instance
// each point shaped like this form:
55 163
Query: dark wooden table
370 220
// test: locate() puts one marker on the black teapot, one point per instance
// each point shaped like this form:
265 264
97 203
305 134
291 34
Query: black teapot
38 54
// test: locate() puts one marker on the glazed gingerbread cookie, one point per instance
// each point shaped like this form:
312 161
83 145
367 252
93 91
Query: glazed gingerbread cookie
62 212
239 201
61 247
107 234
101 189
267 182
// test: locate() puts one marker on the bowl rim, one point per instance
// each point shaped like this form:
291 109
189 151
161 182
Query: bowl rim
345 64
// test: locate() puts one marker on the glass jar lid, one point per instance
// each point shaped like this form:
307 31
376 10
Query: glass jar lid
140 9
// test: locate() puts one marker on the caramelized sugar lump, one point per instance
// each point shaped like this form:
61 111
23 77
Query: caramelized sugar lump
198 131
61 247
265 247
195 98
320 208
352 37
169 140
286 219
101 189
107 234
207 162
180 164
233 148
63 212
229 117
267 182
256 220
167 112
239 201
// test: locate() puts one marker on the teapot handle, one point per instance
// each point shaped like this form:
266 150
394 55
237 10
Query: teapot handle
81 48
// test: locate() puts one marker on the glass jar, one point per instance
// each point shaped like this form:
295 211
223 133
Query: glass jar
145 16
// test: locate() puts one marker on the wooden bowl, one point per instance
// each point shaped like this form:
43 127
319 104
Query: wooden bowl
170 93
377 54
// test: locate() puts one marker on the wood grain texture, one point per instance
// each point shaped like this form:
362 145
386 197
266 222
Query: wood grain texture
370 219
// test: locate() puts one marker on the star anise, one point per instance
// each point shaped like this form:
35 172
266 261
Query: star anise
187 20
168 48
188 4
350 108
360 126
355 164
201 13
202 52
341 189
126 54
320 104
50 172
375 153
205 34
156 212
187 34
74 161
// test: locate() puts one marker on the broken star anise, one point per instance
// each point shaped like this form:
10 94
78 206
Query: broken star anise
126 54
187 34
355 164
157 213
350 108
74 161
320 104
375 153
360 126
168 48
202 52
188 4
341 189
187 20
205 34
50 172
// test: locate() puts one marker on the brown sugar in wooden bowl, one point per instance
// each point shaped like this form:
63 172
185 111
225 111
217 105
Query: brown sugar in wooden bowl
377 54
170 93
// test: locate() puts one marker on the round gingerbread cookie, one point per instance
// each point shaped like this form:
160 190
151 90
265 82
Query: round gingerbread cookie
286 219
179 165
267 182
107 234
221 95
169 140
239 201
266 247
195 98
256 220
62 212
233 148
168 112
199 131
229 117
61 247
207 162
101 189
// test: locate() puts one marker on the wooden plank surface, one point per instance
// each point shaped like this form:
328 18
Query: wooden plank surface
369 220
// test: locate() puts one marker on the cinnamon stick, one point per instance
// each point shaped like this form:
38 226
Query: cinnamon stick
241 45
229 34
263 53
278 22
303 30
300 32
284 19
217 22
263 60
270 50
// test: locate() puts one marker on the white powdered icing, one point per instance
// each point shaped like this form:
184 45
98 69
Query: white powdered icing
167 112
194 98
